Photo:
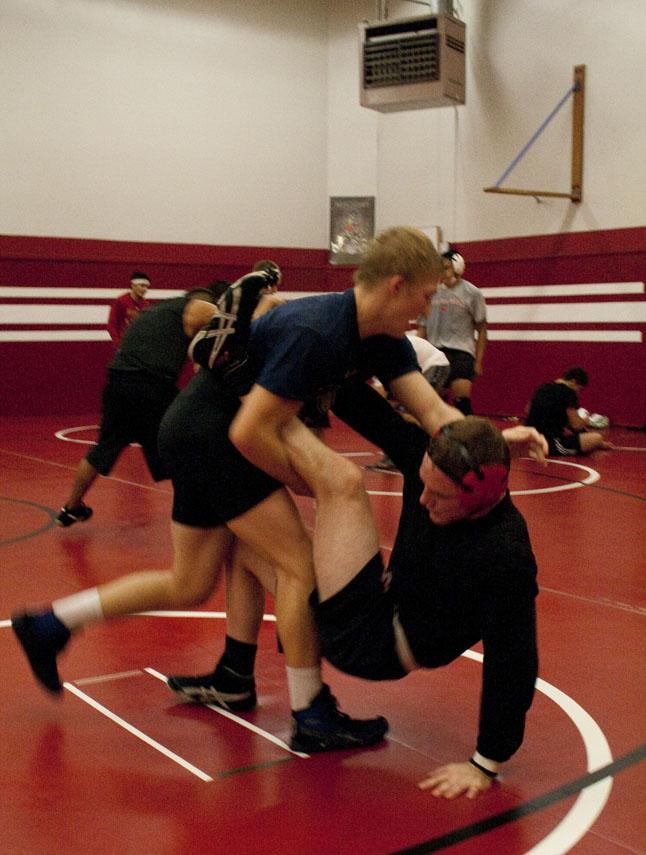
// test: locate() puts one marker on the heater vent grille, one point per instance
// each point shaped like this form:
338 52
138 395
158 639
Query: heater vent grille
412 64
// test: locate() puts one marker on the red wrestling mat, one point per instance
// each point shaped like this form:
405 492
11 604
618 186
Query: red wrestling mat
121 766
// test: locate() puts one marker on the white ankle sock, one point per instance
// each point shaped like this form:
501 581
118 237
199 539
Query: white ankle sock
303 684
78 609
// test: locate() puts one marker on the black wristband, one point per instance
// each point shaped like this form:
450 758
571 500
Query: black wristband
483 769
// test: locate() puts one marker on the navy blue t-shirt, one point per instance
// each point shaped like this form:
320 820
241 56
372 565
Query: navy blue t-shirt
310 345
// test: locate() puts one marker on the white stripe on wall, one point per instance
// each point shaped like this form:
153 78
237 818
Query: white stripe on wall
24 292
534 313
582 290
82 293
42 313
586 290
54 335
568 313
629 336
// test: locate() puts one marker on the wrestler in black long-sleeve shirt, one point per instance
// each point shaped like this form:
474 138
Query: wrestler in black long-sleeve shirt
461 583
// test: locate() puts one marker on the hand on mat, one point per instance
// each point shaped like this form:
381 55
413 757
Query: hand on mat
451 781
526 442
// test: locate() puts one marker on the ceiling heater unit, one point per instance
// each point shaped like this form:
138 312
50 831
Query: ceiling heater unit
412 64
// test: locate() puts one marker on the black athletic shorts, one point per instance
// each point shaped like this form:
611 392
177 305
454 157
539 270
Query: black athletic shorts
314 414
356 626
212 482
134 404
565 445
462 364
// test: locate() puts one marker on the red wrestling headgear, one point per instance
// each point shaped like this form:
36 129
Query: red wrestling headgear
482 485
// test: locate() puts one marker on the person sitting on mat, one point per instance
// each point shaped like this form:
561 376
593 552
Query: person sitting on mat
553 411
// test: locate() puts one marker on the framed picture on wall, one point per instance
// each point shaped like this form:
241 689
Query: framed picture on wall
352 225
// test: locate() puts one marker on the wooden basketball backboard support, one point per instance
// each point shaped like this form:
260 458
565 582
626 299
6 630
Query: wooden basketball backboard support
576 191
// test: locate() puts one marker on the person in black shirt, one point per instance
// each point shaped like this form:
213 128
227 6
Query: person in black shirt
553 411
141 386
462 569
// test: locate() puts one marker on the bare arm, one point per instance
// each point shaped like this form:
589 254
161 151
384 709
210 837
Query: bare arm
421 331
423 402
481 344
575 422
526 441
256 432
266 303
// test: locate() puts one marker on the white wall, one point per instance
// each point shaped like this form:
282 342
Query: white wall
184 121
431 165
228 122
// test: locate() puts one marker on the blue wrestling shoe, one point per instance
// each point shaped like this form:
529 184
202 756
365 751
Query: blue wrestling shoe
322 727
42 637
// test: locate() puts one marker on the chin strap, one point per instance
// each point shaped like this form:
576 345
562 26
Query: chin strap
482 488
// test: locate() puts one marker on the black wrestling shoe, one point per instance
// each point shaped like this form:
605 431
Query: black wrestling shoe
322 727
230 691
384 464
221 345
42 637
67 517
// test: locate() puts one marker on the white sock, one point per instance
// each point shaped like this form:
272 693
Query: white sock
303 685
78 609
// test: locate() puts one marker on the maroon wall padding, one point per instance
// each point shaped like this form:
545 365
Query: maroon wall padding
66 378
74 262
514 368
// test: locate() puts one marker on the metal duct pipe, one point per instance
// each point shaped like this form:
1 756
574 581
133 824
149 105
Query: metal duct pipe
435 7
